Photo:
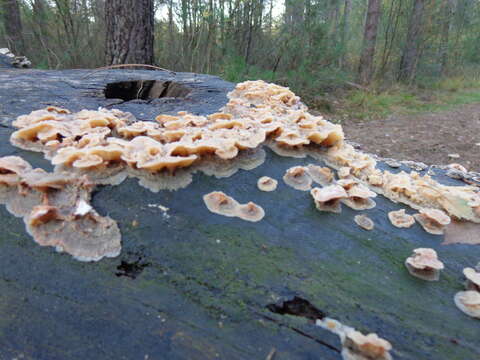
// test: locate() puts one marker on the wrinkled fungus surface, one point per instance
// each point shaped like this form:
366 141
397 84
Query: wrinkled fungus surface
401 219
424 264
328 198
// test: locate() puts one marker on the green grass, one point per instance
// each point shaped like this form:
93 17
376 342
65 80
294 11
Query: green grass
401 100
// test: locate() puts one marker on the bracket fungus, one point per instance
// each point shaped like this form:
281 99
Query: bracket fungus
328 198
298 178
424 264
357 346
401 219
468 302
433 221
222 204
359 197
266 183
56 211
473 279
364 222
321 175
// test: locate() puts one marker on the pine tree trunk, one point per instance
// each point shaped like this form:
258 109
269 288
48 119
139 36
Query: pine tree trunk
411 52
13 26
447 17
129 25
365 69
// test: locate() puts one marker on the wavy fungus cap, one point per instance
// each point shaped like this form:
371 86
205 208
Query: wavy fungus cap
328 198
468 302
424 264
433 220
400 219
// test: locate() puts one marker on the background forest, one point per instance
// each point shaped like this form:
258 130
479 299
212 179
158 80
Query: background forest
362 57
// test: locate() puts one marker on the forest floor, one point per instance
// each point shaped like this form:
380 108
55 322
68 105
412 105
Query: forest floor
428 137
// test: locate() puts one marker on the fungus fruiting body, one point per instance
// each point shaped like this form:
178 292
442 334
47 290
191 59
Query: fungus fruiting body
468 302
222 204
357 346
321 175
328 198
266 183
364 222
400 219
56 210
424 264
433 220
473 279
298 178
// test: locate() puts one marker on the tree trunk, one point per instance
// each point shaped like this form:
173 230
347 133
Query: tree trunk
129 25
411 52
345 32
447 17
365 69
13 26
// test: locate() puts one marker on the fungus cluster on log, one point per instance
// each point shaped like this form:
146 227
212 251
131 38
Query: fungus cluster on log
468 301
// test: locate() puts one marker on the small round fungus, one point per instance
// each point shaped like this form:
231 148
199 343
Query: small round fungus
321 175
424 264
219 203
266 183
400 219
250 212
298 178
357 346
433 220
328 198
364 222
468 302
473 279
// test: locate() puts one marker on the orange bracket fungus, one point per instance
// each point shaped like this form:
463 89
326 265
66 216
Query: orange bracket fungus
222 204
400 219
266 183
468 302
328 198
298 178
424 264
364 222
433 220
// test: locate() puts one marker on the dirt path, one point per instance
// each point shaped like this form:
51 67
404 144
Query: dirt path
425 137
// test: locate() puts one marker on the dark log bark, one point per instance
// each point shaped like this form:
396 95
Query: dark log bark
129 27
365 69
13 26
411 51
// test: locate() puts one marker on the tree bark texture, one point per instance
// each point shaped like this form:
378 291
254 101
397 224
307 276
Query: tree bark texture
129 25
411 52
365 69
13 26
